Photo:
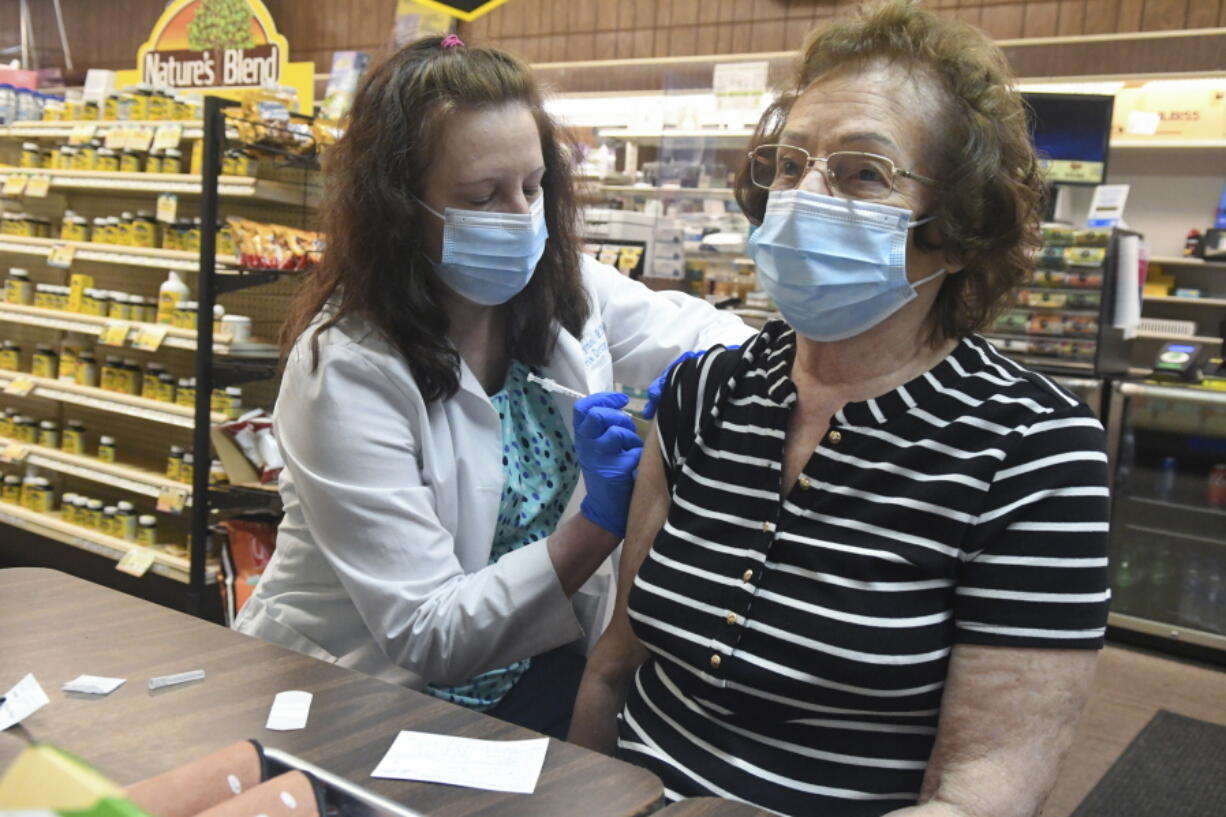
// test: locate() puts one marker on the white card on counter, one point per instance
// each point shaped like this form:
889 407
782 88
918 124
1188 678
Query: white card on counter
93 684
496 765
289 710
22 701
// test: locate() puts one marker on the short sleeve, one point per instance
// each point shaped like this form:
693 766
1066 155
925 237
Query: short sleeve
1036 570
689 396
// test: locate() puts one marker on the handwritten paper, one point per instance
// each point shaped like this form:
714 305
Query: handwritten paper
21 702
289 710
496 765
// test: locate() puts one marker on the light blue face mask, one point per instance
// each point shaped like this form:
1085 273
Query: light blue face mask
834 267
490 257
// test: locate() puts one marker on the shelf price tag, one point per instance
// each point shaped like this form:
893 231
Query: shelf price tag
172 500
139 139
38 187
14 454
149 338
167 136
15 184
81 134
137 561
114 333
61 256
168 208
116 139
19 386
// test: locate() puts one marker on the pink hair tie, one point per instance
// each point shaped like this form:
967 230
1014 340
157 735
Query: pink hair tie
451 41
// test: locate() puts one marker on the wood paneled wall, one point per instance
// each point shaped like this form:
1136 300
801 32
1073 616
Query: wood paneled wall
565 30
106 33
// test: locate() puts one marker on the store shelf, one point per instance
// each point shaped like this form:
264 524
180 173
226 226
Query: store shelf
1001 333
1172 336
1174 299
240 187
669 192
52 527
124 477
1157 628
1168 144
1189 394
737 135
1181 261
111 253
89 397
63 130
1180 507
93 325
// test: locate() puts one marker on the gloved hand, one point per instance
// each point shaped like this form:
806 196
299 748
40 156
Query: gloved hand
656 390
608 450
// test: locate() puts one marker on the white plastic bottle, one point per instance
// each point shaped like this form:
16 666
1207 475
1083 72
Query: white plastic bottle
170 293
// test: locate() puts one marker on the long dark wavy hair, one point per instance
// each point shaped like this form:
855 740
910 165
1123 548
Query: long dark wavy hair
375 267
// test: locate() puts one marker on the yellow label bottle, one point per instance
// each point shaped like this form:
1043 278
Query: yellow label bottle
74 437
106 448
147 530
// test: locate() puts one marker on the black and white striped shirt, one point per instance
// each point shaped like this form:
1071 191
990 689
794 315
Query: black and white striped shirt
799 644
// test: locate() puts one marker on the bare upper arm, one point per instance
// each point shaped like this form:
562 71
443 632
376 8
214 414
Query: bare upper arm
1007 718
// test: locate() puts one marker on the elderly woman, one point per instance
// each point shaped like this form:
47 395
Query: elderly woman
865 571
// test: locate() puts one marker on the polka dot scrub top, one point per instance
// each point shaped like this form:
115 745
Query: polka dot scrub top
539 474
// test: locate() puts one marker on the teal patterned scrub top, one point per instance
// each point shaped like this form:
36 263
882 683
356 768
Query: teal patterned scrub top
540 473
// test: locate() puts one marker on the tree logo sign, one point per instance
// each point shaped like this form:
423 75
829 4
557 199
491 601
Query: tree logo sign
218 45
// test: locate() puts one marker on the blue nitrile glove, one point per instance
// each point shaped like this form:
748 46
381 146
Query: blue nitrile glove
656 390
608 450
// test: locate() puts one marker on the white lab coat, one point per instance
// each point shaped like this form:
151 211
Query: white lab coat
391 502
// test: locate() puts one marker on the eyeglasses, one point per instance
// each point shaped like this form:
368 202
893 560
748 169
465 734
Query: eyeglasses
849 173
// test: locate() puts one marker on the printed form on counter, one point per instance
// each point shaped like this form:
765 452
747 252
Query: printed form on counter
497 765
22 701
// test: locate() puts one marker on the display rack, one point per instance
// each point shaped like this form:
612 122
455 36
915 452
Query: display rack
217 361
1063 320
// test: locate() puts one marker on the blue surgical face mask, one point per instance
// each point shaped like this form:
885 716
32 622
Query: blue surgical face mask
490 257
834 267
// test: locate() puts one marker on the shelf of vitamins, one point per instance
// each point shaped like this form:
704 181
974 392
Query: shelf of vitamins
134 151
70 457
25 440
85 523
118 317
76 364
1057 313
133 102
139 229
187 184
169 407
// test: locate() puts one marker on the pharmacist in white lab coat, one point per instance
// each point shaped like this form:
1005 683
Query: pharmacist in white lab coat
448 525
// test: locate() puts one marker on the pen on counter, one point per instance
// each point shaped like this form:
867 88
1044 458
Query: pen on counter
179 678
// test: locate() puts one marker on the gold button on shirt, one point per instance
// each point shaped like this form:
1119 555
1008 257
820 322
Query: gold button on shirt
716 661
747 575
835 437
730 617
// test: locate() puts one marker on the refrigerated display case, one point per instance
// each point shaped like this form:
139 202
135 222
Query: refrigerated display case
1168 560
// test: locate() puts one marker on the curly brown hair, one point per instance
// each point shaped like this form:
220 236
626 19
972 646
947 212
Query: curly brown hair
375 267
991 188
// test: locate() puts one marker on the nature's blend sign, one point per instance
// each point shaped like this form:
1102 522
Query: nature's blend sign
219 46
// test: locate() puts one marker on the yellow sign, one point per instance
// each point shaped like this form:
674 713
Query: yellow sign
414 21
81 134
167 136
168 208
38 187
20 386
15 184
115 333
139 139
220 48
172 500
14 454
137 561
466 10
61 256
150 337
116 138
